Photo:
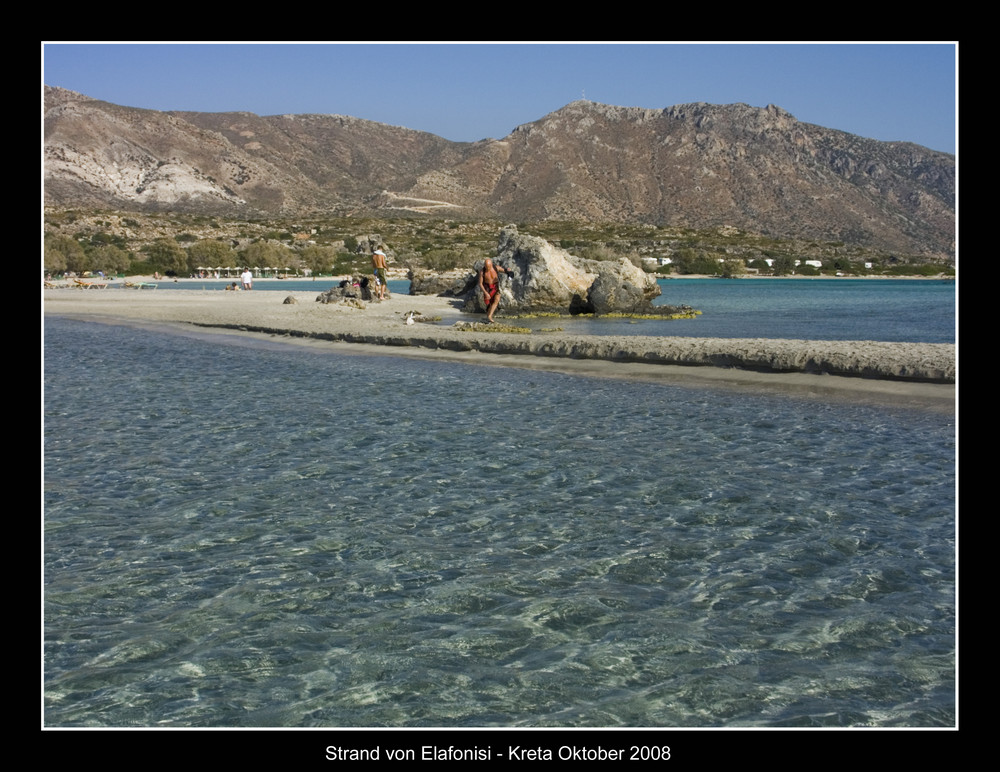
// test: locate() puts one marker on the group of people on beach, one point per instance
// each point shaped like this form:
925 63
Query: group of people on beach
245 282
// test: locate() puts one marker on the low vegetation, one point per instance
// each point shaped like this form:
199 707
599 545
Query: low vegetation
176 244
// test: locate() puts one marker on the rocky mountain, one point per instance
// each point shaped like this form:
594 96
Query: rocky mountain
695 165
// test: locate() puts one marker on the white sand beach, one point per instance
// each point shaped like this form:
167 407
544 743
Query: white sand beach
921 375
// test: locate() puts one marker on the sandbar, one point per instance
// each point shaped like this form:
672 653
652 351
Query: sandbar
919 375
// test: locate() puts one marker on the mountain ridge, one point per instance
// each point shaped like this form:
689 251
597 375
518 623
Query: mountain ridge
694 165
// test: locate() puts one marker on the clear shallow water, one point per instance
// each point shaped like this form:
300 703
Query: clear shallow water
903 310
242 533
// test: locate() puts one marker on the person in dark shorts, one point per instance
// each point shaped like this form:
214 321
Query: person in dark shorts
378 261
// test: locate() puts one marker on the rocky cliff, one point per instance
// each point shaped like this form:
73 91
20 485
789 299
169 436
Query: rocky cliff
697 166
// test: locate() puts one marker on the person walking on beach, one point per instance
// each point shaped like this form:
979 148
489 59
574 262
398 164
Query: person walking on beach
378 261
489 285
247 278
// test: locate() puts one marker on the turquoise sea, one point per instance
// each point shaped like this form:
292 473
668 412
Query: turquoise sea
241 532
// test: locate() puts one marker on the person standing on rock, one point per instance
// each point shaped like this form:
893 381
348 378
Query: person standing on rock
489 285
378 261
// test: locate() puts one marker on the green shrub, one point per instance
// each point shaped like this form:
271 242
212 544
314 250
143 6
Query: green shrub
209 253
925 269
442 260
166 255
783 265
318 259
346 263
108 258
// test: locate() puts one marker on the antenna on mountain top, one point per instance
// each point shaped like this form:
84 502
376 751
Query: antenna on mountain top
583 94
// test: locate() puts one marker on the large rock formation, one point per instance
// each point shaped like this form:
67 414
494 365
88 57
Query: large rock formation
424 281
547 279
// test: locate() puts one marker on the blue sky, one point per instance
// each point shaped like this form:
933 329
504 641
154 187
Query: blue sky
465 92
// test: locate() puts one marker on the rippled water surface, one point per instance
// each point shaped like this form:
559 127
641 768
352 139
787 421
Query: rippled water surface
243 533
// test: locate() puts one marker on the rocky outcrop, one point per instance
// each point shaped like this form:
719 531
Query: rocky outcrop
447 284
622 288
543 278
356 291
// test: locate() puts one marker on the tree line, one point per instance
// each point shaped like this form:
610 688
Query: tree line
167 256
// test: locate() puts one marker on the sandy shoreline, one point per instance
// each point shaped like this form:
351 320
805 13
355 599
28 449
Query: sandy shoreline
917 374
